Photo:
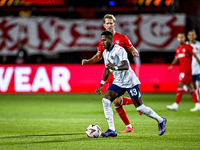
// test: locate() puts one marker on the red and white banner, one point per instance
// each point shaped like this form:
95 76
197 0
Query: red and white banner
44 35
154 32
77 78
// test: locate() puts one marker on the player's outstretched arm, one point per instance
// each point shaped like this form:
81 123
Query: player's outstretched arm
97 57
197 59
175 61
134 52
105 77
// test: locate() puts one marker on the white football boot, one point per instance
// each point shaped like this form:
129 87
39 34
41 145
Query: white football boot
196 108
173 107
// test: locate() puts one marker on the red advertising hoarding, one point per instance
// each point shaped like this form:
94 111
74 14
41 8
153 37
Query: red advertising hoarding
72 78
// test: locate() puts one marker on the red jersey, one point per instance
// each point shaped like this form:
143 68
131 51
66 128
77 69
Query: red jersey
119 39
184 54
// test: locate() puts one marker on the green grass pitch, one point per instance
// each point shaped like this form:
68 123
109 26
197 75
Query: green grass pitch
59 121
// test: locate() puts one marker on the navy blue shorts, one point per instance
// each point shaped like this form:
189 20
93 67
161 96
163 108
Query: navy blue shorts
196 78
134 92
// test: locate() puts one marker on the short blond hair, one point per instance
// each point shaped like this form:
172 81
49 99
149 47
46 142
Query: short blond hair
110 16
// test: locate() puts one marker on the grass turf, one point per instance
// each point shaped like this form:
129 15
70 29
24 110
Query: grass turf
59 121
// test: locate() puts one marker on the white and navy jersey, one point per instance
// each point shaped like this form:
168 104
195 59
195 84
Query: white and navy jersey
195 64
123 78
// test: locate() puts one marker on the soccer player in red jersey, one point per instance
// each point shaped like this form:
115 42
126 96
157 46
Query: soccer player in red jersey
121 40
183 55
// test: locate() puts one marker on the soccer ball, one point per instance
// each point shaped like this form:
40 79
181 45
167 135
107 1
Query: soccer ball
93 131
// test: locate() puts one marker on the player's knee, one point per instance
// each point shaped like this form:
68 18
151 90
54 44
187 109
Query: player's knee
191 90
180 85
118 101
109 96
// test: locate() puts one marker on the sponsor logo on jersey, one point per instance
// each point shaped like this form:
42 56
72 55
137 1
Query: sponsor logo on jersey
117 42
181 55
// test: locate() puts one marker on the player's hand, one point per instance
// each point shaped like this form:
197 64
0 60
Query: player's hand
84 61
135 54
98 90
170 67
110 65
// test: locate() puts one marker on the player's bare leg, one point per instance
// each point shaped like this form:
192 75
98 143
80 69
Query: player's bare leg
179 94
150 113
194 85
194 97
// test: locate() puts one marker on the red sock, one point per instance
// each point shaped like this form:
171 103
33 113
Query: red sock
127 101
194 96
178 96
122 113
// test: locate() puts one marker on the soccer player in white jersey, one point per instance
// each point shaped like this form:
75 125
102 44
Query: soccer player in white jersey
123 41
116 62
195 66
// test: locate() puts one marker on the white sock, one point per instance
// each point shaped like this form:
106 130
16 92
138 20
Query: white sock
197 94
149 112
108 113
130 126
175 104
197 104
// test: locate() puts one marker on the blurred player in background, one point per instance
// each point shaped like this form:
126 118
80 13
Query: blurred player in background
195 66
183 55
121 40
116 61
